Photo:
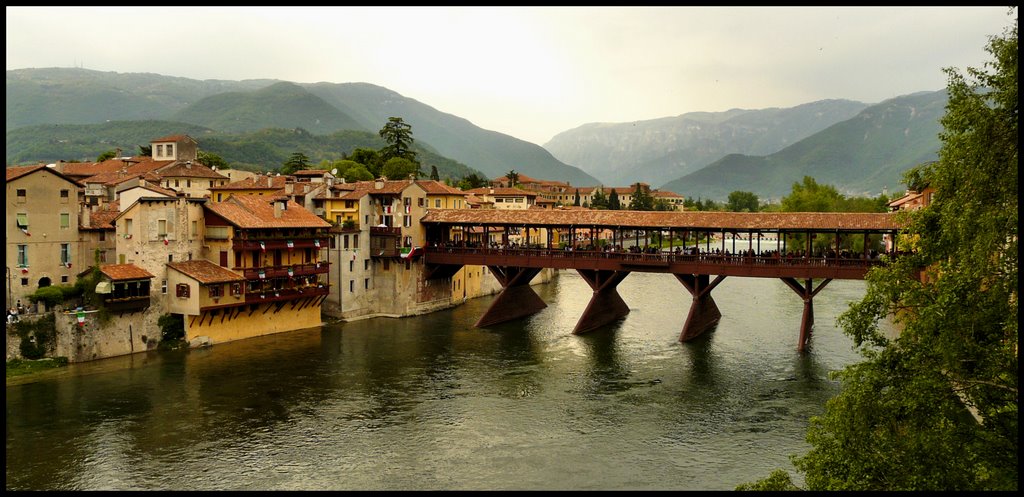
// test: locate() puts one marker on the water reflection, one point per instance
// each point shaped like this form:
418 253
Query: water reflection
433 403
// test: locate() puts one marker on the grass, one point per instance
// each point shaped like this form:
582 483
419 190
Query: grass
22 367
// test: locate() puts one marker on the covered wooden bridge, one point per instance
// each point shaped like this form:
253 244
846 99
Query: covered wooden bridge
605 246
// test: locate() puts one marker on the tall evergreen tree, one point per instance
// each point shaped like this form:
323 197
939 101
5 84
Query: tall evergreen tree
576 202
433 173
398 135
613 201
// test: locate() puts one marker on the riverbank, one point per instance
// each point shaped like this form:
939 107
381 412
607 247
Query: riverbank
19 370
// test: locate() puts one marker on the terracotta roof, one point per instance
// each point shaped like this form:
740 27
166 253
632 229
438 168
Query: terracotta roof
311 172
502 191
172 138
82 168
260 182
434 187
522 178
257 211
545 201
205 272
104 215
121 272
159 189
663 193
827 221
197 170
22 171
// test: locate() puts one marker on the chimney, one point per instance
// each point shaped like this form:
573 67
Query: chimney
117 154
280 205
379 183
330 181
289 188
188 164
84 216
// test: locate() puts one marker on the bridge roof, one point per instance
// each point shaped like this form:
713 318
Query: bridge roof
813 221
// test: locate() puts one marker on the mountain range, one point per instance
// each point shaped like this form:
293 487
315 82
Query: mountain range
862 149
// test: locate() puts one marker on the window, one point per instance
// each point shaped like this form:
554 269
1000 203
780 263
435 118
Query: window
64 195
182 290
65 220
236 289
217 232
355 241
175 183
407 221
349 204
195 228
103 235
332 243
24 282
351 266
170 150
65 253
344 241
366 264
216 291
419 202
63 279
23 220
163 287
366 283
159 150
128 227
219 195
211 183
22 255
170 257
22 195
188 183
437 203
351 285
103 256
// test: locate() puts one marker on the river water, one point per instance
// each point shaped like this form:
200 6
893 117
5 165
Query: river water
431 402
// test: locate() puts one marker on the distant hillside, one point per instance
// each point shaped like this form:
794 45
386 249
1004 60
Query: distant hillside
659 150
860 156
81 96
280 105
259 150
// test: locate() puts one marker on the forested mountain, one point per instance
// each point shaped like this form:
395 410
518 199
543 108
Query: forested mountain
80 96
659 150
257 150
859 156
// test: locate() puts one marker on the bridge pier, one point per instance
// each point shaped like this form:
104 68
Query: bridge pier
807 293
516 299
704 313
605 305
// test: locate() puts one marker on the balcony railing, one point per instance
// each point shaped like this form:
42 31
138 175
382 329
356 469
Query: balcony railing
385 231
280 244
285 271
126 304
286 294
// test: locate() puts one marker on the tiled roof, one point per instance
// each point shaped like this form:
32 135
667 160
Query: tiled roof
197 170
22 171
522 178
205 272
104 215
516 192
311 172
121 272
665 194
434 187
257 211
172 138
847 221
260 182
82 168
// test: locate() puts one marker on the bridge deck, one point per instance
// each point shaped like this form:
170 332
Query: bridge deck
726 265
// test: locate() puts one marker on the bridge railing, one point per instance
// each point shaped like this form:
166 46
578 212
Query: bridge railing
664 257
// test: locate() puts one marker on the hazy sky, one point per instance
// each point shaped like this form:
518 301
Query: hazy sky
531 72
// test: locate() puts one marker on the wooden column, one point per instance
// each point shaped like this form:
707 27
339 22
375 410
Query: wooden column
516 299
704 313
605 305
807 293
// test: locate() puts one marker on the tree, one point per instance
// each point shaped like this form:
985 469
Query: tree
809 196
513 178
935 408
146 150
642 200
399 168
109 154
613 201
212 160
743 202
471 181
369 158
661 204
398 135
433 173
296 162
576 202
598 200
357 172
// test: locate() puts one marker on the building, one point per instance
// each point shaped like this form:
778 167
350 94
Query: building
43 246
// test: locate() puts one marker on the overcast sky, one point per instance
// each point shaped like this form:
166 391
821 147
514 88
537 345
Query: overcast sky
532 72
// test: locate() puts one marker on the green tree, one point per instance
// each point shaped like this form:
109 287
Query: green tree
935 407
613 201
513 178
642 200
146 150
743 202
109 154
212 160
661 204
472 181
369 158
433 173
598 200
296 162
809 196
399 168
576 202
398 135
357 172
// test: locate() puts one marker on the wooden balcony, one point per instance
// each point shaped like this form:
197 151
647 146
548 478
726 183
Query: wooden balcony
283 271
280 243
126 304
286 294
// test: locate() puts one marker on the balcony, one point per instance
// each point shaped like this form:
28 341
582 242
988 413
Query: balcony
285 271
286 294
385 231
280 243
126 304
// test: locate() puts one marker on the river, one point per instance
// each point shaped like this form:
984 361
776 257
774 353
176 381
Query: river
430 402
